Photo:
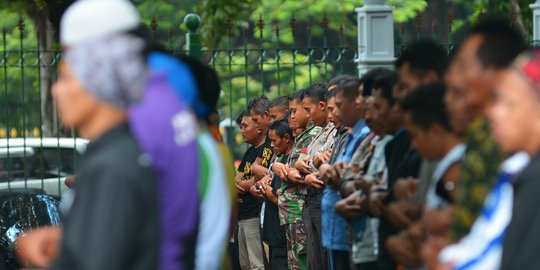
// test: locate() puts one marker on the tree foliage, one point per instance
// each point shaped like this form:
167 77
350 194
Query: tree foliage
477 8
19 77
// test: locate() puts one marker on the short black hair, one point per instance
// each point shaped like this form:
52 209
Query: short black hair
427 107
331 94
281 127
282 102
336 80
259 105
424 55
501 42
207 81
316 92
369 78
297 96
385 83
243 114
349 85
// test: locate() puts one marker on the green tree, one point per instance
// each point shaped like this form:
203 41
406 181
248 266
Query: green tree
38 33
248 62
518 11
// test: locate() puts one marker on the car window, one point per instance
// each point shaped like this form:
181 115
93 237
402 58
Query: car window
41 163
60 160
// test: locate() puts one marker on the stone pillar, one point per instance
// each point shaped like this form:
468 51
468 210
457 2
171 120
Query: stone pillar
536 21
375 36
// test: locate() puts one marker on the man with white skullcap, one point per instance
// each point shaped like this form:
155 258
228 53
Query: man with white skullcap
113 222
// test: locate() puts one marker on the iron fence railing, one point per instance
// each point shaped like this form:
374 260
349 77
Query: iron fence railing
260 58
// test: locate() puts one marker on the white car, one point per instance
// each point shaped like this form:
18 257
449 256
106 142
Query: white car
39 163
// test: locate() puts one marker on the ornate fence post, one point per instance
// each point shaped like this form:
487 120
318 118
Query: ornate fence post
536 20
375 36
193 41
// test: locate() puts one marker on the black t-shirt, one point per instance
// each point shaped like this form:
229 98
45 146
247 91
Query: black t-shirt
401 161
273 233
521 240
266 153
249 206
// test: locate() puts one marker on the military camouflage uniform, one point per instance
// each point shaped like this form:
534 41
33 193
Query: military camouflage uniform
291 202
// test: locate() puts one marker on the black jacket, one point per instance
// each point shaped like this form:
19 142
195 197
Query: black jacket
113 222
522 240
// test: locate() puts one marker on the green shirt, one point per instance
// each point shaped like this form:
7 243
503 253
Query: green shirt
478 173
292 199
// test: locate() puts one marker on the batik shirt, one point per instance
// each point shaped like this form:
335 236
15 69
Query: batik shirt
292 199
365 236
362 156
321 142
478 173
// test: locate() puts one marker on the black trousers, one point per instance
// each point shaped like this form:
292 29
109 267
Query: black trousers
340 260
233 254
316 254
278 257
367 266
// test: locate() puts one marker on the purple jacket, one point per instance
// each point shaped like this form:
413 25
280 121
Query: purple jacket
166 131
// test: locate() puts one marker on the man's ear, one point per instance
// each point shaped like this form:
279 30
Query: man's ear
287 137
322 105
436 129
430 76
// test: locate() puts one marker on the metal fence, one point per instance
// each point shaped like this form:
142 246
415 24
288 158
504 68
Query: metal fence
261 58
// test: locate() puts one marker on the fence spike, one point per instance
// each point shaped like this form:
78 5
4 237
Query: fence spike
260 25
154 24
20 24
325 22
513 17
449 20
277 31
434 27
229 26
418 21
293 22
341 29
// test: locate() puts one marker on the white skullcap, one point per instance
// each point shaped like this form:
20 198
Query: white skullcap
90 19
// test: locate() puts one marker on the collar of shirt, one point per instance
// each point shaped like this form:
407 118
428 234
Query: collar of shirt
359 132
306 131
399 132
109 135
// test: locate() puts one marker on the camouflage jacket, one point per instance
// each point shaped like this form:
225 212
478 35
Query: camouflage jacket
292 199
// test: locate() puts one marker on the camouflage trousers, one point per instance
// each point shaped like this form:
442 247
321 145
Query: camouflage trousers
296 245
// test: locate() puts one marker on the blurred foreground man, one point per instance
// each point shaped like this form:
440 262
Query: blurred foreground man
516 124
113 222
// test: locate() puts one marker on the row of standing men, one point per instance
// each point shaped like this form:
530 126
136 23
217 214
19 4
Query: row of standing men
391 169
